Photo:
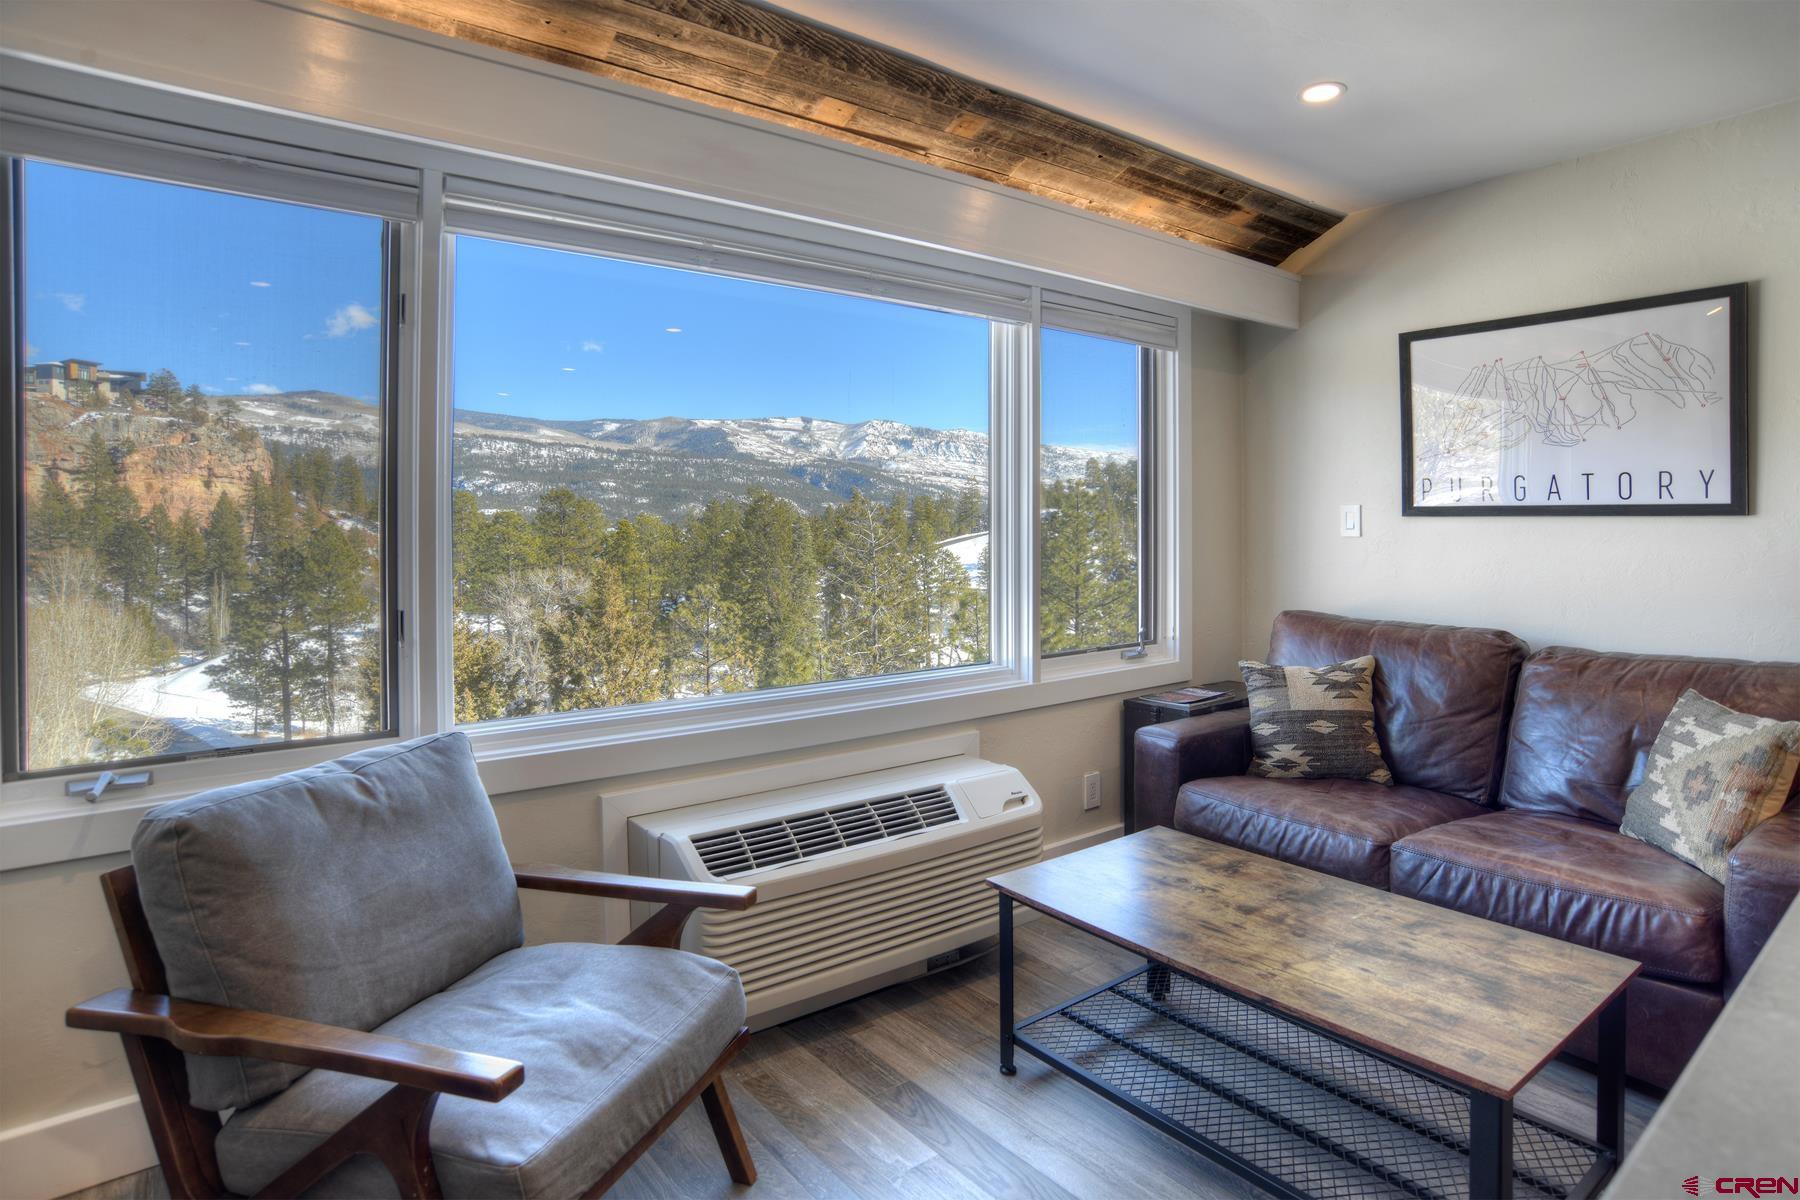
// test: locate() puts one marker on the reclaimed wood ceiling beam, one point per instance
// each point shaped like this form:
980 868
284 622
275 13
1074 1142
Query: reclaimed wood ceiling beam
756 61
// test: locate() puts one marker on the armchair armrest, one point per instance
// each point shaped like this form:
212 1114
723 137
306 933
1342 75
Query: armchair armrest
1169 755
210 1029
679 898
549 878
1762 875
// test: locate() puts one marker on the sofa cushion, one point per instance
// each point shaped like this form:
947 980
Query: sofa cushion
1442 694
344 893
610 1036
1584 720
1315 722
1575 880
1340 826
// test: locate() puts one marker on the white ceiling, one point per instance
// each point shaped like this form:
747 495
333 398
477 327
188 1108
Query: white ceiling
1442 92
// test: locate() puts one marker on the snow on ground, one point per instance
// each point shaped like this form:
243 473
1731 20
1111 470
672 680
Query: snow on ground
967 549
188 700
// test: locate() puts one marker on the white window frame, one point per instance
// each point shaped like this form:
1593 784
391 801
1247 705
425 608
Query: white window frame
39 824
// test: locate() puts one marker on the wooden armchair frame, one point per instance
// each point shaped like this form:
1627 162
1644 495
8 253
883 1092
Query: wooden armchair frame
396 1128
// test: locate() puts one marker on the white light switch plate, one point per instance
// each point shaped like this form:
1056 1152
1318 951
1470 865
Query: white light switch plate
1351 523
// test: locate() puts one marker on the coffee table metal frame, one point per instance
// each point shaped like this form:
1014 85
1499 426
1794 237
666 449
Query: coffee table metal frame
1489 1147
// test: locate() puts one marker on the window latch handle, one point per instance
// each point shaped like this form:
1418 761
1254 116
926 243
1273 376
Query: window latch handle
92 789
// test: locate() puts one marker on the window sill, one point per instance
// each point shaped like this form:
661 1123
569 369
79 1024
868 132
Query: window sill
546 754
39 829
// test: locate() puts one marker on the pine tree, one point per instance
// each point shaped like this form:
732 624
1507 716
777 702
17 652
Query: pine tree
868 593
629 552
1067 600
129 551
1088 589
483 680
770 577
163 388
193 404
105 501
710 653
473 555
571 530
54 519
348 494
314 477
187 568
338 608
227 566
601 653
274 518
264 665
371 674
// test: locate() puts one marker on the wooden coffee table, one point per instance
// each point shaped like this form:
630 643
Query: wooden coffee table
1319 1037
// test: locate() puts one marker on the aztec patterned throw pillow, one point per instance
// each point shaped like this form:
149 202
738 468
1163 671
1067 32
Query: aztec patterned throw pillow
1314 722
1714 775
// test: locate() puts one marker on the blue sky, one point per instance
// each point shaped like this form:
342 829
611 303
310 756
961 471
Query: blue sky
243 296
236 295
551 333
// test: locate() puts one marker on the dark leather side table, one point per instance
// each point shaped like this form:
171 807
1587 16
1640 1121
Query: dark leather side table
1140 711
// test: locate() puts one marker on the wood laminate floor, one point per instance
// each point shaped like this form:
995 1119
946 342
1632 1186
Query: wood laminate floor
898 1095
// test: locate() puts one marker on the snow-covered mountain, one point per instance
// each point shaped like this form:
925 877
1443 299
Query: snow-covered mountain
668 465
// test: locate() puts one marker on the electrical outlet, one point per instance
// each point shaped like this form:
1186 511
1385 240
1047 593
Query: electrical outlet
1090 790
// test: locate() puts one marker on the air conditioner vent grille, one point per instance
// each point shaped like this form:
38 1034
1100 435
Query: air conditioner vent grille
727 852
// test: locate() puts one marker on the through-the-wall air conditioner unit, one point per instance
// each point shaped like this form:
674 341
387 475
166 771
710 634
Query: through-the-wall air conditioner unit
861 882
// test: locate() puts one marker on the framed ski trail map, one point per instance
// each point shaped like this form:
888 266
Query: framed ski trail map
1638 407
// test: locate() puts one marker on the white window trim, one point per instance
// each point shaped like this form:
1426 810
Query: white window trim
38 824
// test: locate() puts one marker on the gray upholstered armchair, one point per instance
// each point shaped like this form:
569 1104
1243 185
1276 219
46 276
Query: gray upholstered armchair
330 995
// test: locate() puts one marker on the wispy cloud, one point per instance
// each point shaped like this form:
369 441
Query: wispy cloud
592 347
259 283
348 320
240 343
262 389
73 301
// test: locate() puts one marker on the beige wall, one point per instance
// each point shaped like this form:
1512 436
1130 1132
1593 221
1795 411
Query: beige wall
1710 205
56 945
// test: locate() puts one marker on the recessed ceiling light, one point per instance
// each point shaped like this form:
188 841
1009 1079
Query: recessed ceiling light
1322 92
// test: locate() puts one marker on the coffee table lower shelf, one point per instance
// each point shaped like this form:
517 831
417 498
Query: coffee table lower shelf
1299 1111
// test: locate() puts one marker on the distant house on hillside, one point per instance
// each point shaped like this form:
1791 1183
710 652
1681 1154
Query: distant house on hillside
79 378
124 383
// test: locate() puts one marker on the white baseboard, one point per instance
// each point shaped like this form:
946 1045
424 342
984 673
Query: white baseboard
74 1150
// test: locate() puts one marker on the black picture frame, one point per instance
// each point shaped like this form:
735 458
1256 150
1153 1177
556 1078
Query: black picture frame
1735 295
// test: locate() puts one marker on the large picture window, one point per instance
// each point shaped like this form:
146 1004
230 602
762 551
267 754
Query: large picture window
671 484
318 439
200 473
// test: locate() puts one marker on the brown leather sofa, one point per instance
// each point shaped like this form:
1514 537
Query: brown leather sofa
1511 773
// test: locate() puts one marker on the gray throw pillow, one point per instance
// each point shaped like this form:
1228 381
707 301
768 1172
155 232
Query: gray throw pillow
1314 722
